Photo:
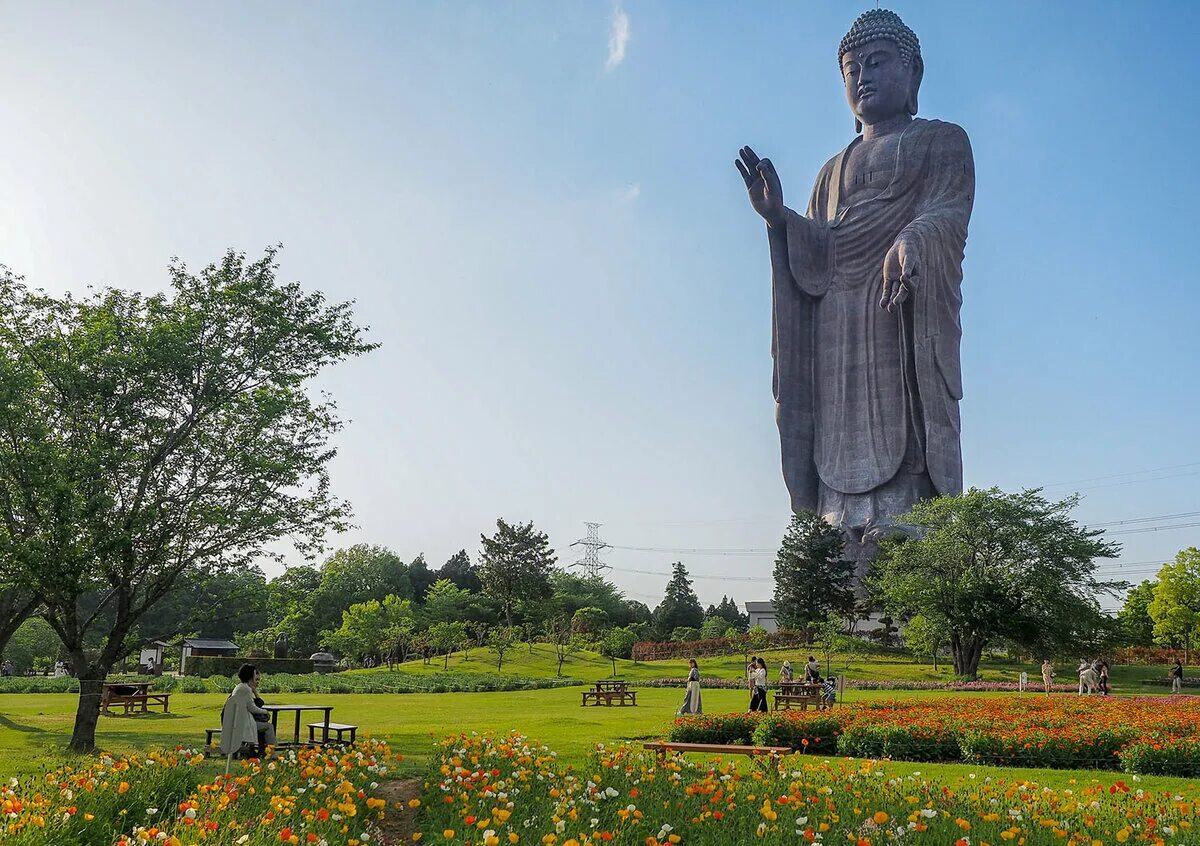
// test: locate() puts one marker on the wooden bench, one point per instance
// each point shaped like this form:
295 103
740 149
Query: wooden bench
662 747
208 736
339 728
609 697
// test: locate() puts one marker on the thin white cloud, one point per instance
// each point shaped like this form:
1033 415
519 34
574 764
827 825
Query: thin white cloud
630 193
618 39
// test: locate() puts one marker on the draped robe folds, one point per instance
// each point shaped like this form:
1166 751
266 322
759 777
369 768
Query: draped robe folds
867 399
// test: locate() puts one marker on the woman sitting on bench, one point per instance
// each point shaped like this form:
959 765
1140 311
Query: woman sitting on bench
243 720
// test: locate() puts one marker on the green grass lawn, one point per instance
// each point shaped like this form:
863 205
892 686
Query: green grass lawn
590 666
34 728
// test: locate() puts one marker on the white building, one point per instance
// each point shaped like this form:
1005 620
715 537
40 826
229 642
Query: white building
762 614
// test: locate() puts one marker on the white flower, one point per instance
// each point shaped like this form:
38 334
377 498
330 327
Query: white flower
242 839
928 813
190 813
801 820
151 811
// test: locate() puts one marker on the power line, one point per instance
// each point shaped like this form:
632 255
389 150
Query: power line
1123 475
703 551
694 576
1146 519
1143 529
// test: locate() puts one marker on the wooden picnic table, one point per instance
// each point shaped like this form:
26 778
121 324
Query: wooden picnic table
133 697
612 685
799 694
276 710
610 692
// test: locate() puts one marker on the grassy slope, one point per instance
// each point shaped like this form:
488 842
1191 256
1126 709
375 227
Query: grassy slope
590 666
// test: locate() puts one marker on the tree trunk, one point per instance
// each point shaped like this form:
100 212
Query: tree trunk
966 653
614 663
446 666
87 712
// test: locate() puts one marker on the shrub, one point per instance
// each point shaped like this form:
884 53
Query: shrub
205 666
1038 748
1170 756
714 728
817 732
901 742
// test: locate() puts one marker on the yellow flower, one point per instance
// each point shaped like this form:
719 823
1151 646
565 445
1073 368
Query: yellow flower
448 834
880 817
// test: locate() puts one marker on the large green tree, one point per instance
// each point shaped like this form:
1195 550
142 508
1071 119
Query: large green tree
515 566
680 607
16 606
459 569
1134 621
1175 608
144 436
996 565
812 579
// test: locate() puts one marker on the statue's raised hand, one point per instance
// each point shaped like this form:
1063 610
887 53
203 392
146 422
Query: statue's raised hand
901 271
766 192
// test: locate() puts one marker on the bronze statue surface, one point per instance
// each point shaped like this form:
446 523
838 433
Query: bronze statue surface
866 283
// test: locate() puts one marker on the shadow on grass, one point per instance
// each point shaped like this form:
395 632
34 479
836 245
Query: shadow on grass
7 723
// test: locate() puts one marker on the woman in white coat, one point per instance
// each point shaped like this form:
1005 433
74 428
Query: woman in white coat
238 724
691 699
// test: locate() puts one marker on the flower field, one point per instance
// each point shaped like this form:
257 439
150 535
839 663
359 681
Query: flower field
320 797
1143 735
509 790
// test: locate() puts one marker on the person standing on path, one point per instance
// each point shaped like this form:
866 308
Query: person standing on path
1176 676
1047 675
691 699
758 701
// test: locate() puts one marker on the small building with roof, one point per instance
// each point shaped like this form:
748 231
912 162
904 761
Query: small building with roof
202 647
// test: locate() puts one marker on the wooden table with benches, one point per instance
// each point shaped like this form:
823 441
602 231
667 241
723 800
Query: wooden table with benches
331 732
799 695
610 692
133 697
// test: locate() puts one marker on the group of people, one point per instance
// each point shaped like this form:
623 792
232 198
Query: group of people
756 672
1093 676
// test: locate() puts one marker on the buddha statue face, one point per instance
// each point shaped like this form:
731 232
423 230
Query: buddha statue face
880 82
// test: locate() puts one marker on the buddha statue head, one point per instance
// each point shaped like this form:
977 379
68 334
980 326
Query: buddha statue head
881 65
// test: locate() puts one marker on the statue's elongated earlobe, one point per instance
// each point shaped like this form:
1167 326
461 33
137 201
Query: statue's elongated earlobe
857 126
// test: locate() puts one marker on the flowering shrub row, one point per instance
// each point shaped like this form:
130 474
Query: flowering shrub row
375 681
1149 735
314 796
509 790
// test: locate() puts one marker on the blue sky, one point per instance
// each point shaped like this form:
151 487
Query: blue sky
542 225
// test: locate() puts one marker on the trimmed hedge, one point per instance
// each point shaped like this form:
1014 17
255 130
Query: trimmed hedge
375 681
817 732
205 666
1171 757
734 729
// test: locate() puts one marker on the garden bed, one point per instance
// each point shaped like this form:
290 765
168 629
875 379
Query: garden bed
511 790
314 796
1147 735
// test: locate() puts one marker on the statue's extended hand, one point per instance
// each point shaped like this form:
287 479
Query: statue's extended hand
766 192
901 267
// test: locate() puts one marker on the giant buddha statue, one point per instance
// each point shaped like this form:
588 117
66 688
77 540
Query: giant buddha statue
866 280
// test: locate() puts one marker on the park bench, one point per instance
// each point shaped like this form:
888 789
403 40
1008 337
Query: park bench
134 698
339 728
662 747
610 692
799 695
